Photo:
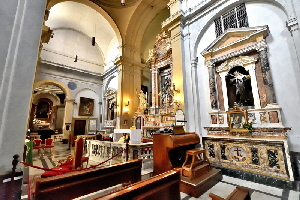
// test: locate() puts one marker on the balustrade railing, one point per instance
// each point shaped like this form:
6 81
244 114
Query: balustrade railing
100 151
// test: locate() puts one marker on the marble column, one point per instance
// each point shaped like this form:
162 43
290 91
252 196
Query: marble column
155 104
69 108
195 95
212 85
20 38
267 76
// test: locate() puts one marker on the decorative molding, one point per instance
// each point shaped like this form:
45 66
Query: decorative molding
258 46
176 16
70 56
233 32
236 61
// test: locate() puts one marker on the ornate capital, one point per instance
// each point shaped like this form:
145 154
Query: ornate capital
209 63
292 24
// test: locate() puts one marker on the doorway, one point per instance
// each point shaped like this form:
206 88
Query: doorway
79 127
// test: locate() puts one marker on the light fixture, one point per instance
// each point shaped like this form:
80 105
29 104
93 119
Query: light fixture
75 59
93 41
127 103
122 2
173 87
126 109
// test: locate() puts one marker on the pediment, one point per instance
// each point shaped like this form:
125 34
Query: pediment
235 36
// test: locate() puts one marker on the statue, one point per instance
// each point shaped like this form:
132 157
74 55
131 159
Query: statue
143 100
239 81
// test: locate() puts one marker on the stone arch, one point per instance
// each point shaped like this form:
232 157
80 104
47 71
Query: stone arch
62 86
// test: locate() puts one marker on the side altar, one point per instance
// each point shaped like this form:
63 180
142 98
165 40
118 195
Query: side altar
246 137
162 109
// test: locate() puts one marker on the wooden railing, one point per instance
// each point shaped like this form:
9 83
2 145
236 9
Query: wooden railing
99 151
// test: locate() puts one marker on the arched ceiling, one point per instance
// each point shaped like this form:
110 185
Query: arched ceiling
128 23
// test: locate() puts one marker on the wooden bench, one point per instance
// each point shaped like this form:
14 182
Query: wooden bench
78 183
163 186
240 193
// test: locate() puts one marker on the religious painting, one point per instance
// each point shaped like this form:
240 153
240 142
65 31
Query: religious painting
86 106
42 110
237 120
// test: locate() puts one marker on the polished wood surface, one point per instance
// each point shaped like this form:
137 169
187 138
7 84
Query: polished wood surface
240 193
75 184
163 186
164 143
198 186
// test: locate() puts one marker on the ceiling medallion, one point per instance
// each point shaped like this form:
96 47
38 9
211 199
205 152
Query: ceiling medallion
72 85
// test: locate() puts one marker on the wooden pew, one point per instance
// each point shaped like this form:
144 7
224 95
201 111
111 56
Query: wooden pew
240 193
163 186
79 183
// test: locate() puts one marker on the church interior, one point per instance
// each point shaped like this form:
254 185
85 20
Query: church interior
200 95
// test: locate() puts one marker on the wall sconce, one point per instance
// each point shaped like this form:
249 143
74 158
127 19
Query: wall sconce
122 2
74 103
126 109
127 103
173 87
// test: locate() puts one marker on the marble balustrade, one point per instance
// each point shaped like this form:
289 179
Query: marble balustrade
99 151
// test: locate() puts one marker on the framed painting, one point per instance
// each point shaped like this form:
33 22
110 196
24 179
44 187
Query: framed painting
86 107
237 120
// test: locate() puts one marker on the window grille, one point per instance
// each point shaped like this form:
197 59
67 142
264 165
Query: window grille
235 18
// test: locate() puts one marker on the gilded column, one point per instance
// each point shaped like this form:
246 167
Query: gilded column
267 76
212 84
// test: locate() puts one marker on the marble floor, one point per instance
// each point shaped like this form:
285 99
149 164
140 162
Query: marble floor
48 159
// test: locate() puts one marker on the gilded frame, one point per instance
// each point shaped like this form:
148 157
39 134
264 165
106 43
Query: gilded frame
237 119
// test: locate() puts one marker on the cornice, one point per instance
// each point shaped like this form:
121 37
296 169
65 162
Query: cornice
69 56
172 19
258 46
256 31
70 68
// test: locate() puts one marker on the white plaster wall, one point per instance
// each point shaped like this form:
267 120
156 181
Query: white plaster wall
67 43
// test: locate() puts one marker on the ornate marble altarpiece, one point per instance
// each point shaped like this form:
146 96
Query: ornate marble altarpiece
236 58
161 113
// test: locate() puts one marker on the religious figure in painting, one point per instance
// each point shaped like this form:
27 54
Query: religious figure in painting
239 80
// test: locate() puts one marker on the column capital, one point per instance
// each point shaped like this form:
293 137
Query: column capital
292 24
209 63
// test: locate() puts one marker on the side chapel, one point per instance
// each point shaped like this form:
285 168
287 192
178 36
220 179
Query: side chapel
240 79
